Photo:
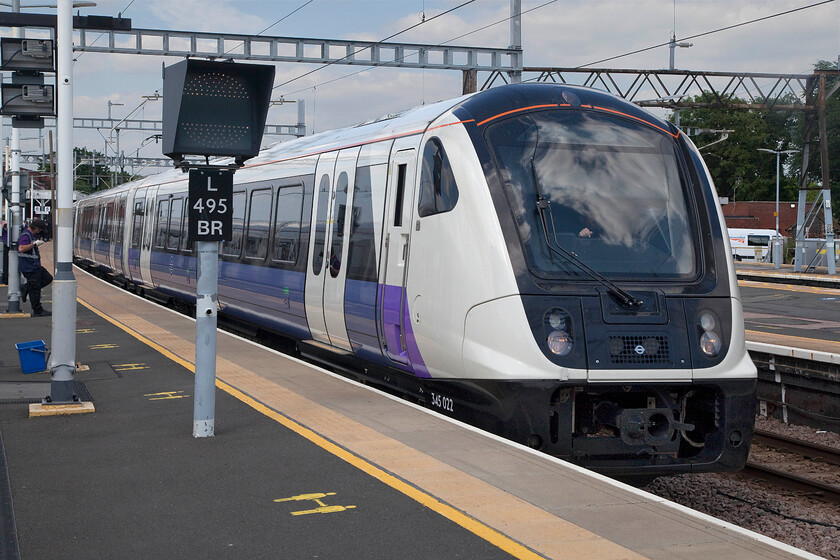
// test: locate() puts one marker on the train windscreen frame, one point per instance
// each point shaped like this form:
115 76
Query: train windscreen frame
616 192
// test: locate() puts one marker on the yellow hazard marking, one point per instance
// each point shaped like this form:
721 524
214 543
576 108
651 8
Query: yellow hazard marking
166 395
315 497
102 346
85 331
471 524
128 367
788 287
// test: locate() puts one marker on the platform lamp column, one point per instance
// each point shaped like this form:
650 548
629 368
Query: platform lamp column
63 357
777 241
15 218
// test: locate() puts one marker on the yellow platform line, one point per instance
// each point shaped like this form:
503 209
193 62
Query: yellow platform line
474 526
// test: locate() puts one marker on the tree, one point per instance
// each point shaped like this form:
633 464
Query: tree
90 176
739 170
832 119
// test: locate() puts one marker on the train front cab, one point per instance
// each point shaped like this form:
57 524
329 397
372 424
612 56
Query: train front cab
617 245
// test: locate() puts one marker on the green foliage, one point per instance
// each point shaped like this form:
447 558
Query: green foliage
739 169
89 177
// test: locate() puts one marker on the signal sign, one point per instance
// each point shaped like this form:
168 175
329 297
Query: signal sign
211 205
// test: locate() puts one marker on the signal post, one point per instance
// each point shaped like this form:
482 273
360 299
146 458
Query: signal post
211 109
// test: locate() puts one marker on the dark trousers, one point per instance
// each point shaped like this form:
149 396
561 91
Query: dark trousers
36 280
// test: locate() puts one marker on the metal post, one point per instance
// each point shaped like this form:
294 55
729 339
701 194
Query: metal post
206 288
301 111
63 357
14 221
516 40
777 250
830 261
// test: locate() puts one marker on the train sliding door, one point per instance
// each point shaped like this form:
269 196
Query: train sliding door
148 237
314 289
392 298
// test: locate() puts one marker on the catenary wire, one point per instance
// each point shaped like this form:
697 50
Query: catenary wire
424 21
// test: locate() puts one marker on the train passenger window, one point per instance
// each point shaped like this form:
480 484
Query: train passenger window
185 243
361 253
339 212
321 225
102 234
398 203
120 221
173 238
438 190
233 248
287 220
137 223
256 242
162 224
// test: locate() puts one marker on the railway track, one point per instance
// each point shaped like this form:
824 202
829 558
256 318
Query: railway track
789 473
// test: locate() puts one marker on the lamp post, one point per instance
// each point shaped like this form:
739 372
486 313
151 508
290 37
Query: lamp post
777 249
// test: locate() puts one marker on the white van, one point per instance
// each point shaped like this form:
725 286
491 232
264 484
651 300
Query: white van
752 244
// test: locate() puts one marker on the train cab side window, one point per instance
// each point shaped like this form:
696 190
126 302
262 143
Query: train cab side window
233 248
438 191
287 220
173 238
259 218
162 224
120 222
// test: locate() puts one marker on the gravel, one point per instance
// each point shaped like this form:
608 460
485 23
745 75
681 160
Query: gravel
761 507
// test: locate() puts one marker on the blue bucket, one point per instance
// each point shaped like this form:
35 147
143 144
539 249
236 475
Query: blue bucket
33 356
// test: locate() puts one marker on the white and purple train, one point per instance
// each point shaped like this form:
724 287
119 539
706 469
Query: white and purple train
546 262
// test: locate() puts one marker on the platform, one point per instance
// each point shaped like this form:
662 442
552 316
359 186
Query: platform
304 464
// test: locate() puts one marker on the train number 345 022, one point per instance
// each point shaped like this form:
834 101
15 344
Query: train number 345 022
442 402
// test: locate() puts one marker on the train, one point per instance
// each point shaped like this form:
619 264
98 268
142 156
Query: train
546 262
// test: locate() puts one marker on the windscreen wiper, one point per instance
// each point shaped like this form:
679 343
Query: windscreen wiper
544 205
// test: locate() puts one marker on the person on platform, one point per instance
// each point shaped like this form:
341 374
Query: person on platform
29 259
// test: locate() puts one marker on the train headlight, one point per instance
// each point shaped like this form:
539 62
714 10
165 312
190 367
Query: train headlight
710 340
710 343
560 343
556 319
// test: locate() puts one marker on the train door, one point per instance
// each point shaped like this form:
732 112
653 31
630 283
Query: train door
114 232
148 236
314 289
393 272
138 209
335 273
127 232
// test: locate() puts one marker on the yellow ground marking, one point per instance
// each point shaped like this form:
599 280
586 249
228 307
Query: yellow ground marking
38 409
102 346
789 287
13 315
817 340
460 518
85 331
166 395
315 497
129 367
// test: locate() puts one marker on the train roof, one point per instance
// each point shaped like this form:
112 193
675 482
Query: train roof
481 107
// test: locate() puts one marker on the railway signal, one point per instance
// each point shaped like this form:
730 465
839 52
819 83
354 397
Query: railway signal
211 109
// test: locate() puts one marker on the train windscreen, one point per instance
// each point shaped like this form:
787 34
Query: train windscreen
598 189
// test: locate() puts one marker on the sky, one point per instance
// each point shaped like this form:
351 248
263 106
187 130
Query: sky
563 33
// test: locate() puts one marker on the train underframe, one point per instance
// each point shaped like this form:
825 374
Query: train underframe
632 431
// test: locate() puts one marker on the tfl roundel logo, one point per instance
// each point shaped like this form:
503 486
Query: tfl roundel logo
639 349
